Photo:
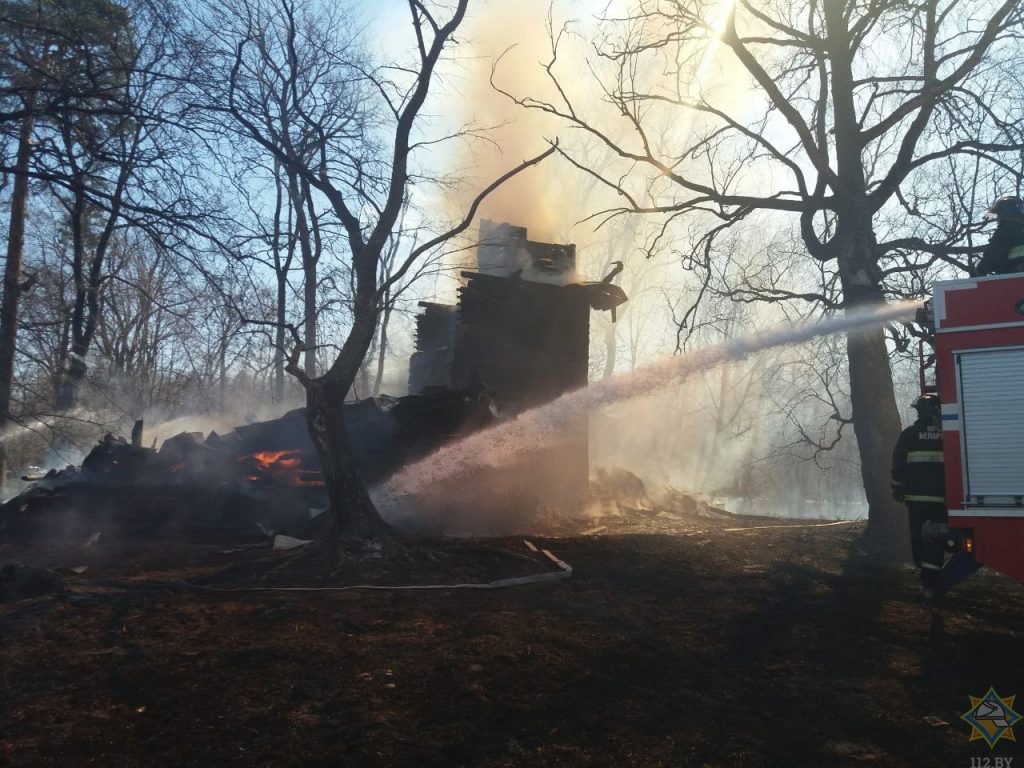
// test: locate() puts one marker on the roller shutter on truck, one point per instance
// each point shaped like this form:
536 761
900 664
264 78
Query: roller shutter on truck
992 408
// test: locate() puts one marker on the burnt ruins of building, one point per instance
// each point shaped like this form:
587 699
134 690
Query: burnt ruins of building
505 251
453 343
512 343
430 366
522 330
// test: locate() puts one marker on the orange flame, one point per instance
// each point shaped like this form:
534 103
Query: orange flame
284 466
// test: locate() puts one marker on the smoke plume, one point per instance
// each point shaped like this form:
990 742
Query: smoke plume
544 426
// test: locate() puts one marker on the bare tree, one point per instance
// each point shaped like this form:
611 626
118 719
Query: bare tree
56 62
365 190
839 114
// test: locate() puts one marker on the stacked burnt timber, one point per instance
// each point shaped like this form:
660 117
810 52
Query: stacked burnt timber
528 343
430 364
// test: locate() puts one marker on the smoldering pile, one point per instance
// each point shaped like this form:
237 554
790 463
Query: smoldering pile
252 482
223 485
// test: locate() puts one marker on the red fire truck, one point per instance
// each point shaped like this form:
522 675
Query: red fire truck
978 338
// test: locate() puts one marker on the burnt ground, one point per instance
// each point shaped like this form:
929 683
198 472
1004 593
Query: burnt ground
696 645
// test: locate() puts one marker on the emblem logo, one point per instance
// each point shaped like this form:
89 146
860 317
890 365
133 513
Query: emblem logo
991 718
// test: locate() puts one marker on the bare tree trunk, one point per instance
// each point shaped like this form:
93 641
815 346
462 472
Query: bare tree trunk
363 384
312 247
223 373
281 273
310 323
382 344
62 354
355 516
12 271
876 422
279 337
876 419
12 277
86 310
79 348
77 368
309 308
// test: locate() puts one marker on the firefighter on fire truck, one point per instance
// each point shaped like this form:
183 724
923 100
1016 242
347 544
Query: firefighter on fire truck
918 480
1004 253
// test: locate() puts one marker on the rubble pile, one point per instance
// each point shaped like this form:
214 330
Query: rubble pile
257 480
620 502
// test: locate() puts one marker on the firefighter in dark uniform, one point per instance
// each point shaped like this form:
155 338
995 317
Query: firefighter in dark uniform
1005 251
918 480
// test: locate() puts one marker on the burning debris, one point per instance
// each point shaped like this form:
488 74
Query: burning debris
519 338
282 466
259 479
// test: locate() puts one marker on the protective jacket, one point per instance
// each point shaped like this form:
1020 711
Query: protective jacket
1005 251
917 466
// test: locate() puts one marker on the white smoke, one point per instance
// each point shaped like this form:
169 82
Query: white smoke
545 425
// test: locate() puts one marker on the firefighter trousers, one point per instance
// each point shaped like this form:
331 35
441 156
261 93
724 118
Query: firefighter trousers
928 556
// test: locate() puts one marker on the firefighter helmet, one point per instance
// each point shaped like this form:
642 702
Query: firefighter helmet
1006 207
927 404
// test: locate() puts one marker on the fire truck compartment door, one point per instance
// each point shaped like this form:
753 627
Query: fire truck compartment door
992 410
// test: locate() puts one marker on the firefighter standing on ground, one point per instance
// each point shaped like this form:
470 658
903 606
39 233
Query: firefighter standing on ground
1004 253
918 480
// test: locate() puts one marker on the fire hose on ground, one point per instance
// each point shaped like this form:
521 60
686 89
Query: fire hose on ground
564 572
